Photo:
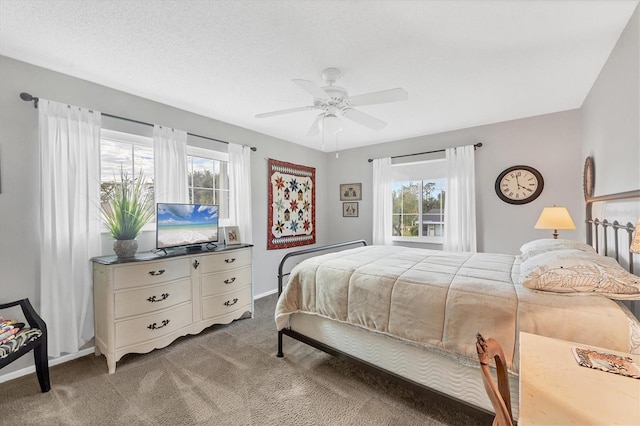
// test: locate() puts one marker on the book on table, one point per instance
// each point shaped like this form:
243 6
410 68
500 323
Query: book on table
610 363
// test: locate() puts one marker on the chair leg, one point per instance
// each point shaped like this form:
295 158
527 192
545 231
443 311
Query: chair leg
42 365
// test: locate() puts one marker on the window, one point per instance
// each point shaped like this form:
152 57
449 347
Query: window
418 199
127 153
208 176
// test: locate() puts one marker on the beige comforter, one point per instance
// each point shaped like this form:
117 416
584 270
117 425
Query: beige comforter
441 299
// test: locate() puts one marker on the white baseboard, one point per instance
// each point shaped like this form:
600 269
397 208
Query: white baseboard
261 295
70 357
52 362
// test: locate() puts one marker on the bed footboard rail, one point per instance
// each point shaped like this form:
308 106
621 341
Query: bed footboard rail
281 276
292 254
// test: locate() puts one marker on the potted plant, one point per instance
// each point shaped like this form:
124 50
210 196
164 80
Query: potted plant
129 206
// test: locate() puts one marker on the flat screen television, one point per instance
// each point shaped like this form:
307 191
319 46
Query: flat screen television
180 225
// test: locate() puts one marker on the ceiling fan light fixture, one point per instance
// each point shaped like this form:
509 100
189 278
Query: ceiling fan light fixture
332 124
335 103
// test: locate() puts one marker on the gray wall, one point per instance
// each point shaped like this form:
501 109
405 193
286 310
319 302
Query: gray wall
550 143
611 116
19 236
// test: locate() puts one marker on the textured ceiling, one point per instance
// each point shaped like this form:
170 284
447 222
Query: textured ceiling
463 63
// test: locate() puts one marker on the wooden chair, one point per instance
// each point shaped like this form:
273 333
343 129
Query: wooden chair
499 395
33 337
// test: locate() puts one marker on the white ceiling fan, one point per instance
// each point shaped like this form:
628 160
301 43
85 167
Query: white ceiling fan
334 101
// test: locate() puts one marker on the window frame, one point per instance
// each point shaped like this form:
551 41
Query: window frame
196 151
421 239
133 139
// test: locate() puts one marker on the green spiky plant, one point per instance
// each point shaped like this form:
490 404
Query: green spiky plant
129 206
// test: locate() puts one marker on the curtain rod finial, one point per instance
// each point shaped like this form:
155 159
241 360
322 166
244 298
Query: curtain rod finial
28 98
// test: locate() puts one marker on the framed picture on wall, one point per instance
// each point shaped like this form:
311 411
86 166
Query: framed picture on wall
350 191
231 235
350 209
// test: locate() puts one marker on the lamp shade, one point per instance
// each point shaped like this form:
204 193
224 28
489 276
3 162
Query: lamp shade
332 124
635 244
555 218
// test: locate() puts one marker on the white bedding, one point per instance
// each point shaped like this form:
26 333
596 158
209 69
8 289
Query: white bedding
439 300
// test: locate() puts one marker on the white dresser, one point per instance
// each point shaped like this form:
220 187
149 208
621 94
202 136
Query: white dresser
148 301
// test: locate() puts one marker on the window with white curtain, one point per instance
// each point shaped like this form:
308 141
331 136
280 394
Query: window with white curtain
418 196
208 176
208 170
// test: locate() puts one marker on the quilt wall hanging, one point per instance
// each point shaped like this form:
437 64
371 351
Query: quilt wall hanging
292 205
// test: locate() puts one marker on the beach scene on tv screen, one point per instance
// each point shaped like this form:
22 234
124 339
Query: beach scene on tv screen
186 224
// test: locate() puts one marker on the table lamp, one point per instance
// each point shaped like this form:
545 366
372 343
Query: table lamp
635 244
555 218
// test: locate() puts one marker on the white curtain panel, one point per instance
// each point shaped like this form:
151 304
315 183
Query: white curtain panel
460 208
382 201
240 190
170 165
69 139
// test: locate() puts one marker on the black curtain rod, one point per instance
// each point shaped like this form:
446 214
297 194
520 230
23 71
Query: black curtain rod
28 98
475 146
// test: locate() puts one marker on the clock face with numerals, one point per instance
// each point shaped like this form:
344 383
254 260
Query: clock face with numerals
519 185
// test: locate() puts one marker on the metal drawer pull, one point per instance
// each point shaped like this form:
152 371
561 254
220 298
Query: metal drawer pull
163 296
229 303
229 281
233 259
154 327
196 264
154 273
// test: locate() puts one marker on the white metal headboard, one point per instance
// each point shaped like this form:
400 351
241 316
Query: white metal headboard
598 234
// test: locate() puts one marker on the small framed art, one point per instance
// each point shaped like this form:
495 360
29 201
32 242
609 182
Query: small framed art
231 235
350 209
350 191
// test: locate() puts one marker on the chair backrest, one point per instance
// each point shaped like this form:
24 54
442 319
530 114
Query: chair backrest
499 395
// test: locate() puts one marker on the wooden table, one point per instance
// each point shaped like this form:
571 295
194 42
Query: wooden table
555 390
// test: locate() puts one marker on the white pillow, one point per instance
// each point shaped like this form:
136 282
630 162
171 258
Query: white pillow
536 247
576 271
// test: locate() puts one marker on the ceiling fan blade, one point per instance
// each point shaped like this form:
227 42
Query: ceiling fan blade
315 127
364 119
391 95
312 88
284 111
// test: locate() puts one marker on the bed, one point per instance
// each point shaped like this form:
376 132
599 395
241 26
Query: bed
413 313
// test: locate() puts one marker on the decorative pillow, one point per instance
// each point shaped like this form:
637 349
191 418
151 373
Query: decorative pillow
576 271
536 247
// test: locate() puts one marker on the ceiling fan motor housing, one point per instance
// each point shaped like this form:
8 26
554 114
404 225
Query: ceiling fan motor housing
337 99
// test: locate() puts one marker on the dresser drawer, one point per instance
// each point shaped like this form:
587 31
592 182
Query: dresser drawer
137 330
149 299
150 273
224 261
228 302
226 281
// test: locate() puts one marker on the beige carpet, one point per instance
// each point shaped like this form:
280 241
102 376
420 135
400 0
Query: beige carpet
227 375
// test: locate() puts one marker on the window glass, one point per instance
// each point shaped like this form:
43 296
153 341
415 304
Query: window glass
209 182
433 197
123 153
418 197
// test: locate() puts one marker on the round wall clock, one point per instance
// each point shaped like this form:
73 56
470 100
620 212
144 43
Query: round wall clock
588 178
519 185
